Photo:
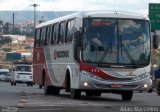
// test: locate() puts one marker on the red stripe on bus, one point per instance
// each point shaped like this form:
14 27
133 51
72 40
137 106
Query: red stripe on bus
39 63
94 70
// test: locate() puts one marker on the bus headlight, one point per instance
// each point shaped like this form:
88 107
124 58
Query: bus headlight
85 84
92 75
145 85
142 76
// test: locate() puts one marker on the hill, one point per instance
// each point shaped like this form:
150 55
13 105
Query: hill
24 16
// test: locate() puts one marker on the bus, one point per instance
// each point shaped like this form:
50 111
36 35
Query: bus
93 52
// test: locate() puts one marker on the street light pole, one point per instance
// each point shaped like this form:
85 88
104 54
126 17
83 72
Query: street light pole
34 5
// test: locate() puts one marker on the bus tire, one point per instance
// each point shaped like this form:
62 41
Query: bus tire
40 86
75 93
47 90
127 95
150 90
89 93
55 90
28 84
97 94
158 89
158 93
31 84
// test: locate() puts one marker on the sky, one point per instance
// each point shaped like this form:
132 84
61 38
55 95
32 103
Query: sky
137 6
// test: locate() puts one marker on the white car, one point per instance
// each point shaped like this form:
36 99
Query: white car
2 77
3 73
8 77
22 73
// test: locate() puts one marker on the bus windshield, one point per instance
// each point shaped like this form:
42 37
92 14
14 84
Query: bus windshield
116 41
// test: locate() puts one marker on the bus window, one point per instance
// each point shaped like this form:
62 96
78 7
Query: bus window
43 32
69 31
47 39
37 38
62 32
46 36
55 33
51 35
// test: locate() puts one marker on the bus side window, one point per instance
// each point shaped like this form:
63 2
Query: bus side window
48 35
51 35
61 36
43 36
55 33
69 36
40 36
37 38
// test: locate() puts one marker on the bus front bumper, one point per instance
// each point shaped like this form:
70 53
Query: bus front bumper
88 83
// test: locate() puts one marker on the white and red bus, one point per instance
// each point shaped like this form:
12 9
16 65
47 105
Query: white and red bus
93 52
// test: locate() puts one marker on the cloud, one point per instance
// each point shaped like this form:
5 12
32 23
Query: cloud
63 5
140 6
13 5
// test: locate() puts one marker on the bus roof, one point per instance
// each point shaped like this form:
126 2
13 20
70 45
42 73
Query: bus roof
85 14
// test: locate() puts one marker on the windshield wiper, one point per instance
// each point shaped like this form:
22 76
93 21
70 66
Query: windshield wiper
109 46
125 50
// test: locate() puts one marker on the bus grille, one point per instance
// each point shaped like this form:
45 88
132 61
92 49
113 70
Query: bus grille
118 79
109 86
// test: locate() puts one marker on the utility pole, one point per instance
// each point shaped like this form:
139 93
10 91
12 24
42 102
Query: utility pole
13 25
1 29
34 5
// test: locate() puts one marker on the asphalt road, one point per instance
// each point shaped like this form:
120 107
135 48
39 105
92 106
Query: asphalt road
23 98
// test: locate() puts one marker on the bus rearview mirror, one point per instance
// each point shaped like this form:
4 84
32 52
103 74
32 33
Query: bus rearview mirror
155 41
78 36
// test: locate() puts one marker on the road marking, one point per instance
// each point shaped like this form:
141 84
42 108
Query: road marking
22 100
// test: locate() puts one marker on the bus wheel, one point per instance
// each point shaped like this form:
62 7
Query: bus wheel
75 94
97 94
47 90
28 84
150 90
127 95
158 89
89 93
158 93
31 84
55 90
40 86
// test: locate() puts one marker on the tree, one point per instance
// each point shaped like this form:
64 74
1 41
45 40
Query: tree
5 40
156 56
7 49
7 28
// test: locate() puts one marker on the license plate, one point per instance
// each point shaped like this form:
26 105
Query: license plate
116 85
